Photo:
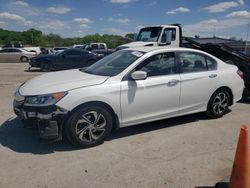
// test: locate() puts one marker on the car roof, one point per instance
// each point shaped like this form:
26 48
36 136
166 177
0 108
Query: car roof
147 49
148 26
9 48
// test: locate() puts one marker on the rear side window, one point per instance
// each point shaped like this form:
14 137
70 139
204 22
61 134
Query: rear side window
94 46
195 62
211 63
102 46
15 50
4 51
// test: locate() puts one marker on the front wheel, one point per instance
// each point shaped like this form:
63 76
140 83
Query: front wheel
46 67
89 126
218 104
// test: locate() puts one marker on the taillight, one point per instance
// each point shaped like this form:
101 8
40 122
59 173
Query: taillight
240 73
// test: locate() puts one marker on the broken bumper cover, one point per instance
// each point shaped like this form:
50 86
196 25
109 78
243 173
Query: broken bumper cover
49 119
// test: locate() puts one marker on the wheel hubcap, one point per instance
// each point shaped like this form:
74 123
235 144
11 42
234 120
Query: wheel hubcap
220 103
91 126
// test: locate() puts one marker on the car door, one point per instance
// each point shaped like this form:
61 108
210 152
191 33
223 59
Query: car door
199 79
4 56
85 59
154 98
71 58
15 55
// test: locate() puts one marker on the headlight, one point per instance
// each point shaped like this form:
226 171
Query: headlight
18 96
44 100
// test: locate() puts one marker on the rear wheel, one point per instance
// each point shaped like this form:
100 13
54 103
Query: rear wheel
24 59
218 104
46 67
89 126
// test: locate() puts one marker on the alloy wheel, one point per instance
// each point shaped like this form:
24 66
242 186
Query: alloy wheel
91 126
220 103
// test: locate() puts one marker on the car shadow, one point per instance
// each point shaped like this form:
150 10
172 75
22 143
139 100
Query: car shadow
33 70
245 97
152 126
18 139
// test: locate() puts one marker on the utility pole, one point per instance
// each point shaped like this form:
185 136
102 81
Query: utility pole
32 38
247 36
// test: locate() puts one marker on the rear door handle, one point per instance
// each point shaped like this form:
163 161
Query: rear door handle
213 75
173 82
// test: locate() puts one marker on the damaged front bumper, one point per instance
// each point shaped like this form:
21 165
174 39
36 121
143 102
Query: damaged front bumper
48 119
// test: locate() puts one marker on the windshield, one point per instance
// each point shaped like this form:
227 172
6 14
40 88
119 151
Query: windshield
114 63
149 34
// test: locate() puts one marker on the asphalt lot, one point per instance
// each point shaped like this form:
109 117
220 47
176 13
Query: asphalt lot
190 151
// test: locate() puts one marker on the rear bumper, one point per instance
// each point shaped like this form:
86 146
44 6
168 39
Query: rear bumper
237 95
49 120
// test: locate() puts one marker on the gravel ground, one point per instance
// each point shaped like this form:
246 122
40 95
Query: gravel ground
190 151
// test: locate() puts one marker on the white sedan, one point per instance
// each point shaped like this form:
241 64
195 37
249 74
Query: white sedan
128 87
14 55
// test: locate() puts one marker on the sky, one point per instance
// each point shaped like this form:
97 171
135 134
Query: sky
77 18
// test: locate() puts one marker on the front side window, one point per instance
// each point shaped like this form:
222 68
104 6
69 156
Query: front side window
195 62
168 35
157 65
114 63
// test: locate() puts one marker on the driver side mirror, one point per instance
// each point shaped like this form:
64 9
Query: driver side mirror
138 75
165 40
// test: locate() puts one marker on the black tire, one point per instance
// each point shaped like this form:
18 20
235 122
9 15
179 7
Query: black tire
218 104
24 59
46 67
84 130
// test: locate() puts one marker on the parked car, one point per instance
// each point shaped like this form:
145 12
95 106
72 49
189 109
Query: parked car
59 49
99 48
77 46
35 49
13 45
128 87
67 59
14 55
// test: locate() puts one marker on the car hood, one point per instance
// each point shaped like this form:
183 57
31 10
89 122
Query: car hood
137 44
59 81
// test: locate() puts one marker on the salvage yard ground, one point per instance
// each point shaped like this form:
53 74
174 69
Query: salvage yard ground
190 151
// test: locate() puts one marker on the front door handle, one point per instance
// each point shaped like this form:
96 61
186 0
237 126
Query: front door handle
173 82
213 75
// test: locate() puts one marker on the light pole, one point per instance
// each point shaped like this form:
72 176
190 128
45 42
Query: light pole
32 38
247 36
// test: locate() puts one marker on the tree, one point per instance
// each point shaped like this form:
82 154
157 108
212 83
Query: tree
37 38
